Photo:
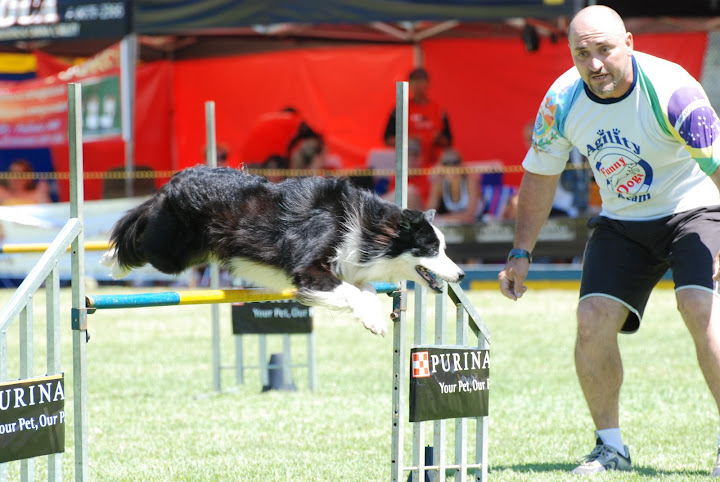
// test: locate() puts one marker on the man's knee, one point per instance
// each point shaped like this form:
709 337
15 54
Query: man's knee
599 316
696 308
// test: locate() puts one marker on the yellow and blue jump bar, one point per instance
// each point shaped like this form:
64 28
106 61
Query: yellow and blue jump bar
200 297
16 248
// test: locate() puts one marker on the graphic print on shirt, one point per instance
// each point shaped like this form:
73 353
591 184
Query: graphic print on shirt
617 159
690 112
544 122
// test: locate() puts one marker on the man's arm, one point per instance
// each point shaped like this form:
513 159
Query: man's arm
534 204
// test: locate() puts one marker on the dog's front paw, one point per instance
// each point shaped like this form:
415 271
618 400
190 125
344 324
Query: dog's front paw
376 326
369 312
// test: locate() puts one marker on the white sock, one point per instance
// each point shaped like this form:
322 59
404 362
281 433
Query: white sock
612 437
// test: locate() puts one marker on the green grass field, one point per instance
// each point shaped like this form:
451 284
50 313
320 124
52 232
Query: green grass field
148 367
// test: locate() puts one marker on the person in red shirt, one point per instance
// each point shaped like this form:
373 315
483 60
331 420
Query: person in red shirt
428 125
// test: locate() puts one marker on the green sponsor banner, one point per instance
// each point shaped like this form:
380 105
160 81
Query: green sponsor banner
101 107
448 382
32 417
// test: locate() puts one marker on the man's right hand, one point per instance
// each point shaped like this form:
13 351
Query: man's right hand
512 278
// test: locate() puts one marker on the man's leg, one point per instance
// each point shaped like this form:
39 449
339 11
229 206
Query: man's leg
701 311
597 357
599 370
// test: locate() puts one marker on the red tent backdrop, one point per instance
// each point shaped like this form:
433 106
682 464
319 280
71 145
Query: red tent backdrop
490 88
346 93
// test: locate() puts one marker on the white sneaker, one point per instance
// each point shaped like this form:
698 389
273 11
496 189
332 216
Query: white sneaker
604 458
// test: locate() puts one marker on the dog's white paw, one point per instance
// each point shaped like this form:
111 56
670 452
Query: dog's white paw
368 309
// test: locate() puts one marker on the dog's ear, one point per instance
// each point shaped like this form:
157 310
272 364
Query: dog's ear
429 215
410 217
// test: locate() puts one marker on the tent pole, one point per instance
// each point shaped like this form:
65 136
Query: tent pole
128 61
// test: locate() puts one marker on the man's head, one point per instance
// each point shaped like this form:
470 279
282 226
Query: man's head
601 49
419 80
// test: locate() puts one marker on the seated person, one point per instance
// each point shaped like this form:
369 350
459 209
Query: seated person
455 196
284 134
24 190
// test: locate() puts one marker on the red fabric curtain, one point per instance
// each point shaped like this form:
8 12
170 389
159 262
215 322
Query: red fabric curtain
346 93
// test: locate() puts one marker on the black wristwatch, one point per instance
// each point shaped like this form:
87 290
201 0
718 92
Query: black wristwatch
519 253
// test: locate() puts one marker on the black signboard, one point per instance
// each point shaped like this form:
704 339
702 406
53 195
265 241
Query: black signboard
32 417
271 317
64 19
448 382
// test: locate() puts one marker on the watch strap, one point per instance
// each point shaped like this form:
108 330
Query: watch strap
519 253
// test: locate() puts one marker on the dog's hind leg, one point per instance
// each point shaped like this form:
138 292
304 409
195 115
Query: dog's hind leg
333 293
110 259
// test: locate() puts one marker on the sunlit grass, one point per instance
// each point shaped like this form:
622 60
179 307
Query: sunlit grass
150 369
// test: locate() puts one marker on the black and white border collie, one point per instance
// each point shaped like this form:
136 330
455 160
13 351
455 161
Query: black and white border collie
324 237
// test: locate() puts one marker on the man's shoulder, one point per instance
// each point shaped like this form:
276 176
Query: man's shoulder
659 70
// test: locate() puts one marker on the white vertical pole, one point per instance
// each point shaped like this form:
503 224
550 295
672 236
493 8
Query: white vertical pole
78 285
211 159
128 61
27 466
461 337
419 336
439 426
54 367
399 372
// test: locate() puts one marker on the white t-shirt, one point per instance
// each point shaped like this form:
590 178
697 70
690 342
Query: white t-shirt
651 150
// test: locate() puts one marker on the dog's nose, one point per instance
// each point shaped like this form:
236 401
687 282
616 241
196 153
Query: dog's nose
461 275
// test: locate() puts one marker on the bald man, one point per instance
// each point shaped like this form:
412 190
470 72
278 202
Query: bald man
649 133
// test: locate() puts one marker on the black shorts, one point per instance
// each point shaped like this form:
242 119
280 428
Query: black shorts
624 260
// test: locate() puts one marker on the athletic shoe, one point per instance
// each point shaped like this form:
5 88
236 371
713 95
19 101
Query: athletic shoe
716 469
603 458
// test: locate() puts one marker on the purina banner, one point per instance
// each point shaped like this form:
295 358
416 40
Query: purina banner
448 382
33 113
32 417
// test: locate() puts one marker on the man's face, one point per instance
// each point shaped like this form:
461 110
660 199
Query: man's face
603 60
419 87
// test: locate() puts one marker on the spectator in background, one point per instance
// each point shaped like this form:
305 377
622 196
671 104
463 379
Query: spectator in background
284 134
275 162
455 196
427 123
24 190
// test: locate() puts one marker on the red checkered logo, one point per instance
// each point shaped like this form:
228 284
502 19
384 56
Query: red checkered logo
420 364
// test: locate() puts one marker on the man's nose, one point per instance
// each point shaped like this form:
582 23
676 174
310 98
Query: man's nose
596 64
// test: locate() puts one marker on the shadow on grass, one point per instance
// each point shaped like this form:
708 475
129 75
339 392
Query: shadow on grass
642 471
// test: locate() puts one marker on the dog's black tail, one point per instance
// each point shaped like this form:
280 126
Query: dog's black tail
127 236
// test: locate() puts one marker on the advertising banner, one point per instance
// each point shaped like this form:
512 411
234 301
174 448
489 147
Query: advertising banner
448 382
271 317
32 417
63 19
33 113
